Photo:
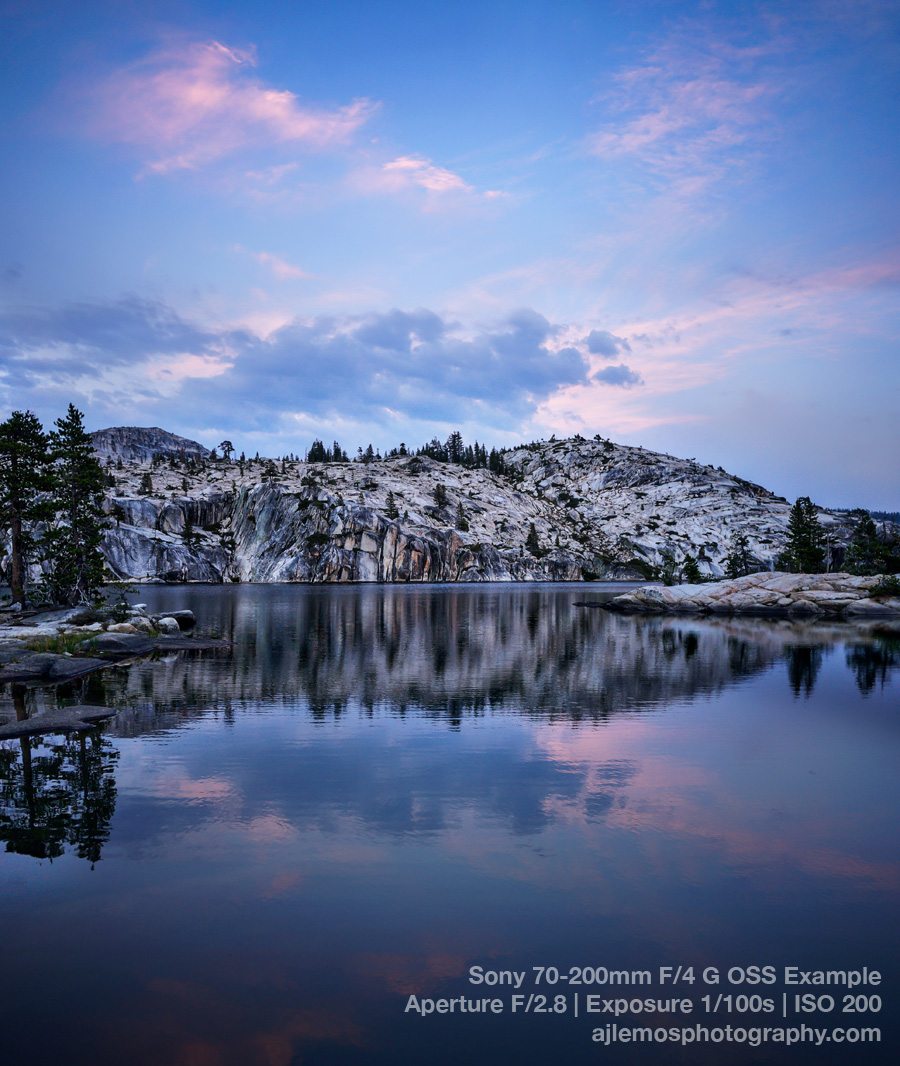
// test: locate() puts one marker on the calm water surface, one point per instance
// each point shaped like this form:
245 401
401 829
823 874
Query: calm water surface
274 847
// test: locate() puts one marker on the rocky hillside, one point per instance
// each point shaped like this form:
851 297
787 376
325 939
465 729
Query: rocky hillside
133 442
600 510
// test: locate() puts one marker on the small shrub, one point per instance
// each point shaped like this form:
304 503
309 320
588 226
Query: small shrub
887 586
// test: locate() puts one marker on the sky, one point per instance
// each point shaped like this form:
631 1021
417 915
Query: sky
672 224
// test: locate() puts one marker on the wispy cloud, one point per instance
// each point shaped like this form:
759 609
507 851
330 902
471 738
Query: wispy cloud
690 109
187 106
281 268
424 173
411 172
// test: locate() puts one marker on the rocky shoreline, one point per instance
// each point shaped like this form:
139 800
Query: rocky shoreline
25 638
770 594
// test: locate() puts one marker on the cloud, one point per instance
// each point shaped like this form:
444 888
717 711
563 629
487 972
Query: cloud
281 268
684 111
620 375
600 342
379 367
188 106
424 173
413 172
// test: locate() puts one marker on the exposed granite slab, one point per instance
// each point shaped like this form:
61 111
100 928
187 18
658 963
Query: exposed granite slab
127 645
57 720
769 594
40 666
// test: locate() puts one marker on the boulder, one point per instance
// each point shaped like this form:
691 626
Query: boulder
168 625
119 645
791 595
58 720
68 667
30 667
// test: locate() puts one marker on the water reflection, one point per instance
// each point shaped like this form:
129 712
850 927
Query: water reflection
448 654
873 662
373 791
57 791
803 665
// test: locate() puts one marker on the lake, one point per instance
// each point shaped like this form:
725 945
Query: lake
388 810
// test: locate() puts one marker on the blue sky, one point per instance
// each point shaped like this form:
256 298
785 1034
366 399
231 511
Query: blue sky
673 224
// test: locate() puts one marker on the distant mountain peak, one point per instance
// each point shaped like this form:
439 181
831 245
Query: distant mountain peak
142 443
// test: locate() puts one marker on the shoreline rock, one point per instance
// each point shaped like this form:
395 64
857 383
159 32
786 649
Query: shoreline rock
58 720
770 594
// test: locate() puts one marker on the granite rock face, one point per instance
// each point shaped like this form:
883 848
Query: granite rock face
135 442
768 594
598 510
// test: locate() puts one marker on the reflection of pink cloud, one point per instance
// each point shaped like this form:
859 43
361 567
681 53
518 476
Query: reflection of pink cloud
283 883
197 103
410 974
661 796
204 789
190 1024
270 829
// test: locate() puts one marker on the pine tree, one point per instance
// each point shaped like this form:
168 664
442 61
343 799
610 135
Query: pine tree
390 508
690 570
317 453
738 561
25 478
804 552
440 494
189 535
531 541
146 487
460 521
73 545
865 551
454 448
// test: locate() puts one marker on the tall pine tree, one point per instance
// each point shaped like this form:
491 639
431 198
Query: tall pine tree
25 480
76 562
805 549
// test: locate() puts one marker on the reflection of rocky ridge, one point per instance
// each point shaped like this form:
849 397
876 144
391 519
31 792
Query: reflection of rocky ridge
597 509
442 652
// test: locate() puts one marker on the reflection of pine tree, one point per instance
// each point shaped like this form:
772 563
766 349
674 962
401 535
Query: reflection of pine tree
88 769
57 794
803 665
873 662
35 817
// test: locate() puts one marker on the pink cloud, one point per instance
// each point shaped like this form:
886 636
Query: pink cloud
691 101
281 268
424 173
413 172
191 105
